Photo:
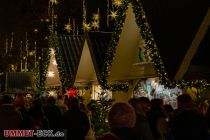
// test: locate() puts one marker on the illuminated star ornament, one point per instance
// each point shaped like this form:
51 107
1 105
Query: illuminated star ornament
117 3
50 74
86 26
96 17
113 15
54 2
31 53
68 27
95 25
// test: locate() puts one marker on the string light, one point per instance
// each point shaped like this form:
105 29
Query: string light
147 36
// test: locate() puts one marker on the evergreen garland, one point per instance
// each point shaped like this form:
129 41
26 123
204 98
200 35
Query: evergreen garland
147 36
45 61
100 109
151 47
54 43
112 50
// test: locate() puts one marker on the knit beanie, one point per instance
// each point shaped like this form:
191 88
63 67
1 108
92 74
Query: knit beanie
122 115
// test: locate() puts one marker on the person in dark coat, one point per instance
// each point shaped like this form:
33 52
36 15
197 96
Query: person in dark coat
188 123
121 119
10 118
53 114
141 129
37 116
75 122
156 117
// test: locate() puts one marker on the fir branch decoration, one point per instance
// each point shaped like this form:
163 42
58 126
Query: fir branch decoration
112 47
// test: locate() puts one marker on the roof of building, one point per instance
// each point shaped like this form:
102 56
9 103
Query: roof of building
70 48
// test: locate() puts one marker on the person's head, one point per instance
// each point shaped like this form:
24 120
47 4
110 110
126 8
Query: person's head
184 99
122 115
73 103
168 110
51 100
133 102
37 102
157 103
145 103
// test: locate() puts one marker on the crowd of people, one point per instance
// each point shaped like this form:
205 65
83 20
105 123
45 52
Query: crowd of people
137 119
154 120
62 114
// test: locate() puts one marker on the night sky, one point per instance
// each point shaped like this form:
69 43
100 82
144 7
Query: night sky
23 16
20 16
173 23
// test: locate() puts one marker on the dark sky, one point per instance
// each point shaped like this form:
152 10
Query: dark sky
21 15
173 23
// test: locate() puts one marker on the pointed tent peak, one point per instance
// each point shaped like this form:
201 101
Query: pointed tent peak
145 32
86 72
69 48
52 78
98 43
124 65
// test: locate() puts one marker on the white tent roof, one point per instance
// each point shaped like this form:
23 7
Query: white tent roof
125 64
86 72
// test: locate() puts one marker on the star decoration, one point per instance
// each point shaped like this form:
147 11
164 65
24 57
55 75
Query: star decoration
54 2
113 14
95 24
68 27
96 17
50 74
55 16
86 26
117 3
31 53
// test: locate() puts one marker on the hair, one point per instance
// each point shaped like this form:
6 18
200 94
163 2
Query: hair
122 115
144 100
73 103
184 99
168 108
37 102
156 103
133 102
51 100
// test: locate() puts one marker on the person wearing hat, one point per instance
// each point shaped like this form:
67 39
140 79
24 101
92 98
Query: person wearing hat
122 119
